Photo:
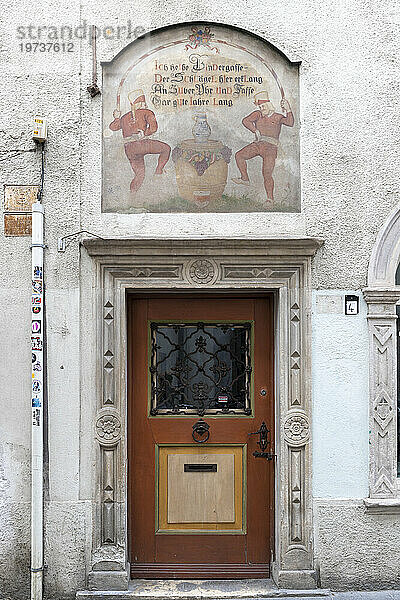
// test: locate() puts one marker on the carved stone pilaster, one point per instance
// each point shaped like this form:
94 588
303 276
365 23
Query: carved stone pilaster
297 565
382 391
109 561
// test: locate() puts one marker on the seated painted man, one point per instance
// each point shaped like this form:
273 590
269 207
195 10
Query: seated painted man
137 126
266 124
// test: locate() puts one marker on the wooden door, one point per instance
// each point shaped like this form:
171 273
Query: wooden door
200 383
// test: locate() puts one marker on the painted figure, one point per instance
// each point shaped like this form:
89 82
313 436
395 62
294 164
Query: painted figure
266 124
137 126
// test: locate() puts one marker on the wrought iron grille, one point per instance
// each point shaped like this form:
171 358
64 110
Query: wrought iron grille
200 368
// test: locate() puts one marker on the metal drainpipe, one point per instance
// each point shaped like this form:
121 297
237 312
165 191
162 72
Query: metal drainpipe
37 403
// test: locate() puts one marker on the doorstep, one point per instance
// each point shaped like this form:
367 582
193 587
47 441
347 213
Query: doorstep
242 589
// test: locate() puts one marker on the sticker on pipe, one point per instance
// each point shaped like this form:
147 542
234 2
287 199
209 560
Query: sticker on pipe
36 417
36 326
37 343
37 272
37 287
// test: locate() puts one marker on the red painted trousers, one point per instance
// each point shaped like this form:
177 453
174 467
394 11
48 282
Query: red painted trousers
268 153
137 150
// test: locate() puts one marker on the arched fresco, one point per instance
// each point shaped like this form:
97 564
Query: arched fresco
200 119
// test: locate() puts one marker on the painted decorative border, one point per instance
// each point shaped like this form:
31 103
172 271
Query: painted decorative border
281 266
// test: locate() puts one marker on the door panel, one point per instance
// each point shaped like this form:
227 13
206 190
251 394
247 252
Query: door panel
199 508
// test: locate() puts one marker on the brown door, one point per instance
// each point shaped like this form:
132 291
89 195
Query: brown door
200 383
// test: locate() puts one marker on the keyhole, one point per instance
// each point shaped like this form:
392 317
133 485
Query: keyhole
263 392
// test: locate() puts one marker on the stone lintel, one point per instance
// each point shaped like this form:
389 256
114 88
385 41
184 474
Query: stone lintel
292 246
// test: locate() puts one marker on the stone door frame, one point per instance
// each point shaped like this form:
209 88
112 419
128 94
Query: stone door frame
263 265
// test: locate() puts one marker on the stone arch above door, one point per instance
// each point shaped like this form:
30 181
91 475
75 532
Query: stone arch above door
385 256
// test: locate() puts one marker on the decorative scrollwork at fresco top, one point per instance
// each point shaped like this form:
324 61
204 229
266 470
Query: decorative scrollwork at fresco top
199 368
296 428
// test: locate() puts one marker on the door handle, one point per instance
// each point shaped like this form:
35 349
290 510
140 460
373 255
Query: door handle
263 442
200 432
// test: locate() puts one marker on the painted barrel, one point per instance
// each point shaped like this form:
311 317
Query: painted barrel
210 184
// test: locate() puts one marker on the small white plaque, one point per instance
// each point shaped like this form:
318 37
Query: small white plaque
329 304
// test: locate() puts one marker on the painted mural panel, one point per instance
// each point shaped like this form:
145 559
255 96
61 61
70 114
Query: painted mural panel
200 119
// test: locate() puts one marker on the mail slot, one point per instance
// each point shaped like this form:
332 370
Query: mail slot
204 468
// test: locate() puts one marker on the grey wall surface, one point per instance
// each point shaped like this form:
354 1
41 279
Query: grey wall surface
349 99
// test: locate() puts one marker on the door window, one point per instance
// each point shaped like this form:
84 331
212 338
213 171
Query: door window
201 368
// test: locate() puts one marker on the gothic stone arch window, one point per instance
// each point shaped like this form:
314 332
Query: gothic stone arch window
382 296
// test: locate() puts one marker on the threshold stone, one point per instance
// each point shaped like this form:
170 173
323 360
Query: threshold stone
220 589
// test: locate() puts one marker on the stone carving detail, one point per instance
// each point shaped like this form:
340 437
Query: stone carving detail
247 272
383 410
295 362
154 272
382 333
108 533
202 271
383 427
108 360
254 272
108 429
296 429
296 484
294 349
108 312
149 272
295 313
108 346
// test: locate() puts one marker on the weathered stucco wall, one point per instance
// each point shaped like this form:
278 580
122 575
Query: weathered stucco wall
356 550
340 397
349 156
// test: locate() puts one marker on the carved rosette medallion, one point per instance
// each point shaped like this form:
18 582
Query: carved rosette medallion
296 429
108 429
202 271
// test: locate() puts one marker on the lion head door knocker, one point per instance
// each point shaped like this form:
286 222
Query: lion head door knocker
200 432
